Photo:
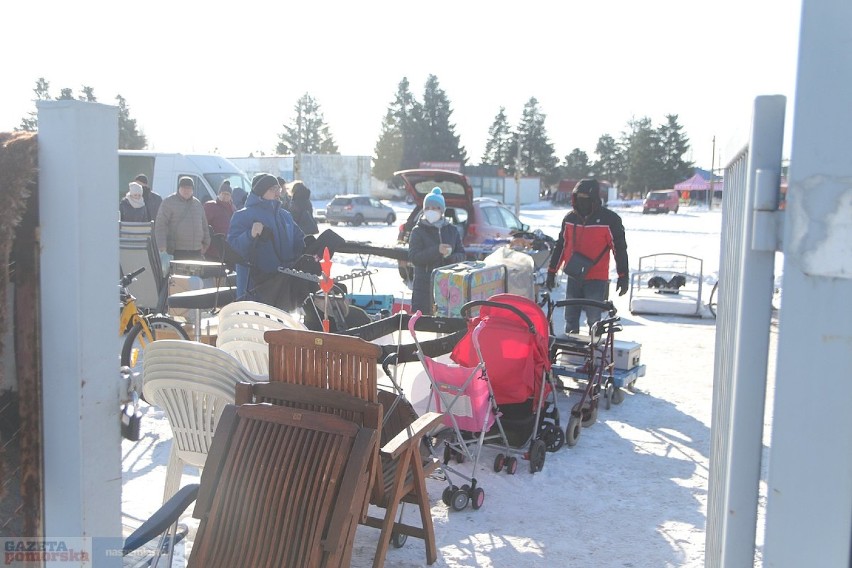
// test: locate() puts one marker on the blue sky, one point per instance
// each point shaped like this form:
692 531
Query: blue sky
216 76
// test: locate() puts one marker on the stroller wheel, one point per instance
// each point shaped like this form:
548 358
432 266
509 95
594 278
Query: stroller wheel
511 465
477 498
398 539
460 499
448 453
553 437
499 462
617 396
459 456
572 431
537 455
447 495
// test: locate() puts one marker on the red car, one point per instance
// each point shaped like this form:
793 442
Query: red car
480 220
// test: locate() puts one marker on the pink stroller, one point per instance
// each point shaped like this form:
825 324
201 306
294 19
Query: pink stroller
466 399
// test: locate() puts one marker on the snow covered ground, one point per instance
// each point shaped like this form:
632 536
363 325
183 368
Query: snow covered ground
631 493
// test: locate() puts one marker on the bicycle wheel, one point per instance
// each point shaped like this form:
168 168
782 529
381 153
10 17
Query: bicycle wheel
713 299
134 344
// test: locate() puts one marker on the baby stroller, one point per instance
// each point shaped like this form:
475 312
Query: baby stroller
588 359
516 341
465 398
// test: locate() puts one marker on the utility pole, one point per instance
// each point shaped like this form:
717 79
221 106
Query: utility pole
297 159
710 193
518 180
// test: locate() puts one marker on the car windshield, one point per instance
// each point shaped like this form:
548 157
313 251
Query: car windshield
237 180
340 201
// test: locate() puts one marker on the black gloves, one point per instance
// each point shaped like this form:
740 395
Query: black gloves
621 285
550 283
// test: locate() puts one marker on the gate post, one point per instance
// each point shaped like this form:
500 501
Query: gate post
78 169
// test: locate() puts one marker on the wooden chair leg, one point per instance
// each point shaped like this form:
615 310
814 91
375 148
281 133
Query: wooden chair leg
390 513
422 500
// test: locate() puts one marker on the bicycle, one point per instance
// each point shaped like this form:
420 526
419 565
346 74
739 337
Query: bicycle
141 328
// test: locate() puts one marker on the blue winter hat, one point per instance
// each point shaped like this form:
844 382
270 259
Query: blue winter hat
434 199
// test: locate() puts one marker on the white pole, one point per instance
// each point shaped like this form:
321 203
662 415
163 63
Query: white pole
78 214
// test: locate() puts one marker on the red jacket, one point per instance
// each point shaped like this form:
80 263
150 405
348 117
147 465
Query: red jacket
219 215
596 235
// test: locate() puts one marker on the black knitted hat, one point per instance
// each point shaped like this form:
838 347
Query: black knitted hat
261 183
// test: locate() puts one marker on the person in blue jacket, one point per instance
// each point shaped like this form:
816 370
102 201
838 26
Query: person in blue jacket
434 242
266 237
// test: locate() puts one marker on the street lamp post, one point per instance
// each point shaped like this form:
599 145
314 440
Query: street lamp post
518 180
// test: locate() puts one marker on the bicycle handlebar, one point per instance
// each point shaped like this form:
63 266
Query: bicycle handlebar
128 278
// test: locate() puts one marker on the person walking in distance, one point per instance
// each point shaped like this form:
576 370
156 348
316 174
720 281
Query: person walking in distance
152 200
589 232
181 225
132 207
219 212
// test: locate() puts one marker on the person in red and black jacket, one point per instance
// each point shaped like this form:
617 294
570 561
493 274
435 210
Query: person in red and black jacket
592 231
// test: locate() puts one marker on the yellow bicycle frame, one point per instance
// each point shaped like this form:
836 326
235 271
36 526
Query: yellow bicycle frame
130 315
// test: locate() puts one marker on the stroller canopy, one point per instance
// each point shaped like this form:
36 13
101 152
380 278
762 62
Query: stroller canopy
515 354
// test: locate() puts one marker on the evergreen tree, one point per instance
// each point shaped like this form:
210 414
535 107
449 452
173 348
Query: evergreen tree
575 165
673 146
537 154
399 144
65 94
88 94
388 148
307 133
129 137
610 164
440 142
497 149
42 92
644 157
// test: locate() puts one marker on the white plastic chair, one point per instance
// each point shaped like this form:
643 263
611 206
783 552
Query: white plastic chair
241 329
264 314
192 382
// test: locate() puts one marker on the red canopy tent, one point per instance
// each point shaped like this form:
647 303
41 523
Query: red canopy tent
698 183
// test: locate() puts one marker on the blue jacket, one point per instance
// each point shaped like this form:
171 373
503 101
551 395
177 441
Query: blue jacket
265 255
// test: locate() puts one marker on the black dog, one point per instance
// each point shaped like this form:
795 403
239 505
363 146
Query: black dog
657 282
677 281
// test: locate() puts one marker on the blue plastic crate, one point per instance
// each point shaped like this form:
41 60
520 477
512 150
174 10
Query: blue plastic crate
370 303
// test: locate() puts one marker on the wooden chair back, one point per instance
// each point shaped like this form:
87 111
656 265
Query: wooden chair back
324 360
282 487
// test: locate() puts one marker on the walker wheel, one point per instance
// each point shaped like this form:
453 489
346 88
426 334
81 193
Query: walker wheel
460 499
398 539
572 431
590 414
511 465
618 396
537 455
609 393
477 497
499 462
459 456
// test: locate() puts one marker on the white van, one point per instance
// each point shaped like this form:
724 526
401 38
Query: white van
208 171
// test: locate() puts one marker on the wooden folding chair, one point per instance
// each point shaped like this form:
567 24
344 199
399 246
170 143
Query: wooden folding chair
349 364
282 487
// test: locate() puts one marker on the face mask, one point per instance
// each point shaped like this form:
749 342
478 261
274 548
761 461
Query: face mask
583 206
431 215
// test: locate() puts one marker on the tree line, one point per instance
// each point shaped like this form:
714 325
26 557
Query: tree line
643 157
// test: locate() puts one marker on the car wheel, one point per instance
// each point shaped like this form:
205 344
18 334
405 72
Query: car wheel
390 219
358 220
333 223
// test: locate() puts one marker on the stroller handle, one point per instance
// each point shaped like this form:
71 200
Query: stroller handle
607 305
465 309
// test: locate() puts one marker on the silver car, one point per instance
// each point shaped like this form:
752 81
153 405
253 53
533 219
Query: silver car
358 209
